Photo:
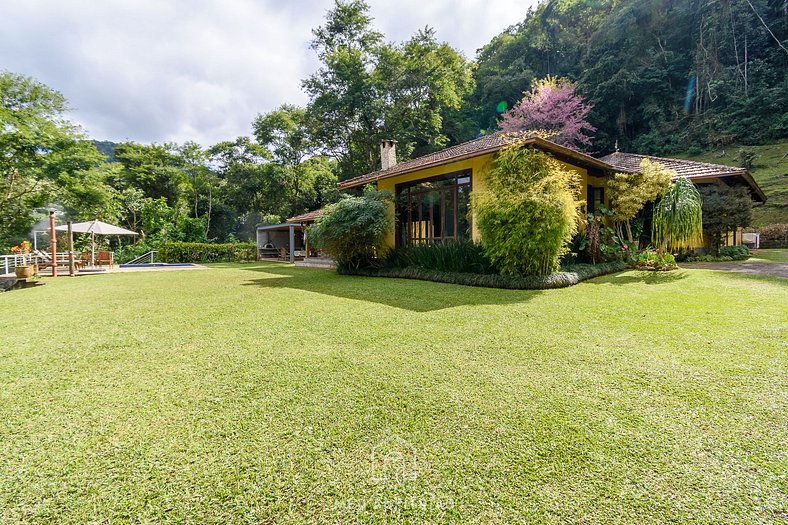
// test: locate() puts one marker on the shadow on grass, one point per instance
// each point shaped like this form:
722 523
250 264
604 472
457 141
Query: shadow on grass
645 277
406 294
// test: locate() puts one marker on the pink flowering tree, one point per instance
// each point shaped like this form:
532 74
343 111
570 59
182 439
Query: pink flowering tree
552 107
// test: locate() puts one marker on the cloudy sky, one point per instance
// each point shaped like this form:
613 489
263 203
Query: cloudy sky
177 70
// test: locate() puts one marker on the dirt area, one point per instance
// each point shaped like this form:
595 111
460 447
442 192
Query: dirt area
774 269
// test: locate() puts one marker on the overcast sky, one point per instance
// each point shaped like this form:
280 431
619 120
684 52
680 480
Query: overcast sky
178 70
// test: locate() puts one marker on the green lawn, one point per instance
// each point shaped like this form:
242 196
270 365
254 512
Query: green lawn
770 170
770 255
267 394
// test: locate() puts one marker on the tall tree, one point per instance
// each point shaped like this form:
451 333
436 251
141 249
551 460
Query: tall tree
343 95
725 209
42 155
367 90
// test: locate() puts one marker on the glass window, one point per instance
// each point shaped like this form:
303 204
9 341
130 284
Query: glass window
595 198
434 210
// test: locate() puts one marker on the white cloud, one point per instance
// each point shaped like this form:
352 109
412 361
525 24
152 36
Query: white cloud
154 70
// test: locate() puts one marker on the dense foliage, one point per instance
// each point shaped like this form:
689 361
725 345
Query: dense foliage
560 279
725 209
368 89
655 261
661 76
528 213
446 256
678 217
629 193
774 236
354 230
650 75
42 157
196 252
725 254
551 106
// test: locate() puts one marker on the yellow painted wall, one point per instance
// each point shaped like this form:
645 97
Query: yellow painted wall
480 167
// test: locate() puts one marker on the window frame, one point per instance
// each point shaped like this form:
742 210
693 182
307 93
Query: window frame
404 190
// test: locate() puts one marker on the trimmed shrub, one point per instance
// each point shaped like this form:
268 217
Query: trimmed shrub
737 253
353 231
727 253
528 213
774 236
199 252
562 279
446 256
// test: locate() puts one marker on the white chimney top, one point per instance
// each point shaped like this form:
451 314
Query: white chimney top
388 154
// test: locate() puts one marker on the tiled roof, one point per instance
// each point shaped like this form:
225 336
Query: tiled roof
684 168
473 148
630 162
308 216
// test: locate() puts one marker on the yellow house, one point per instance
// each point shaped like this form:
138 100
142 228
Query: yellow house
433 191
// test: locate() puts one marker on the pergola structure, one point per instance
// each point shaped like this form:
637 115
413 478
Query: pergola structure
280 240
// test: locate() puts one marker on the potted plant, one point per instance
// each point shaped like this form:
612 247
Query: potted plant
28 268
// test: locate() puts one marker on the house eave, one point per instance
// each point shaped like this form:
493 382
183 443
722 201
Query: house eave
560 151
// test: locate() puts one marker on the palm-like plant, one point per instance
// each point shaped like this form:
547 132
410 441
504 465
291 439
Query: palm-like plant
678 217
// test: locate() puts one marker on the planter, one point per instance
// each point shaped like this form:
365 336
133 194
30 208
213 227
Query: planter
25 272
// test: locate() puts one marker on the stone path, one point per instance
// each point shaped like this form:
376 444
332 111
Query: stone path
774 269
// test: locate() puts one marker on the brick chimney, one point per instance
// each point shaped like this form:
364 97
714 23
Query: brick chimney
388 154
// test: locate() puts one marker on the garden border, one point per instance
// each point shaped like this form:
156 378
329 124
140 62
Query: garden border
563 279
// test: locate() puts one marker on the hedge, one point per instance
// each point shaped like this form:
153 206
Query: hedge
199 252
562 279
774 236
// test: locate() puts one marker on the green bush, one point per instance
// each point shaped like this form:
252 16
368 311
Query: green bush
727 253
737 253
655 261
774 236
447 256
528 213
198 252
354 230
562 279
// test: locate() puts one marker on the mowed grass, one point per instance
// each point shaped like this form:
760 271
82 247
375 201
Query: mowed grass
264 394
770 255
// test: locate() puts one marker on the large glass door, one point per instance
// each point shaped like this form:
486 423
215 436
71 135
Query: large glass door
434 210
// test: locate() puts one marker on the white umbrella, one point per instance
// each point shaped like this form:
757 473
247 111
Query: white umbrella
95 227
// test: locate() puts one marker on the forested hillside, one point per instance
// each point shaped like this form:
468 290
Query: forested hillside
662 75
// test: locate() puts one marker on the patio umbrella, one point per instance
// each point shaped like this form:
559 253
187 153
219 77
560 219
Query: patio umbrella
95 227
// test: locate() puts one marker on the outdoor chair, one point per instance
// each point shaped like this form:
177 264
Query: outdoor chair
104 258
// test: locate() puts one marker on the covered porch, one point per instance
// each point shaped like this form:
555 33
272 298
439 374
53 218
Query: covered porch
282 242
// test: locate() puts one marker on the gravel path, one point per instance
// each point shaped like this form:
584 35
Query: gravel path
774 269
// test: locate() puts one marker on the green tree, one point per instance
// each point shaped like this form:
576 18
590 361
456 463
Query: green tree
43 156
354 230
423 83
528 213
629 192
725 209
660 76
286 133
157 169
678 217
367 90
